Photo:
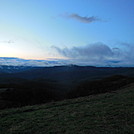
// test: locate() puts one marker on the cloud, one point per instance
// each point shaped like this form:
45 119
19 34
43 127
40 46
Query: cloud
93 51
7 41
99 54
82 19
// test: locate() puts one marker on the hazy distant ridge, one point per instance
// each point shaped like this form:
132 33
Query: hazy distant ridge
11 61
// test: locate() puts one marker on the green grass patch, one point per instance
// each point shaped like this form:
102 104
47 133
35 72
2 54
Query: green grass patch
109 113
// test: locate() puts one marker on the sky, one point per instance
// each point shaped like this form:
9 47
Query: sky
84 31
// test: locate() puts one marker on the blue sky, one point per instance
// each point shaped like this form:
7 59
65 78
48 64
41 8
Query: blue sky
38 29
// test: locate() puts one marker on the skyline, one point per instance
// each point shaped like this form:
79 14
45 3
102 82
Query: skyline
88 31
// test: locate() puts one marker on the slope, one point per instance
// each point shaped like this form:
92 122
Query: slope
109 113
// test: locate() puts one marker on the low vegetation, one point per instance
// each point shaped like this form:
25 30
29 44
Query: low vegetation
41 91
108 113
104 85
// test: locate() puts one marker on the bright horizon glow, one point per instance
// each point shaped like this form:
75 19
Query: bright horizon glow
32 58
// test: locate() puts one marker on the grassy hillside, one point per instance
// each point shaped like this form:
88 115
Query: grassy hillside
109 113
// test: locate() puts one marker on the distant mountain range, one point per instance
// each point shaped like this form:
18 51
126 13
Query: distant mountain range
69 74
11 61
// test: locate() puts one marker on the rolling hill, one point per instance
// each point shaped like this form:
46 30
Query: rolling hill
67 75
108 113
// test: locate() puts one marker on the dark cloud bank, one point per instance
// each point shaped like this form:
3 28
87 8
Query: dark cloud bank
99 54
82 19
